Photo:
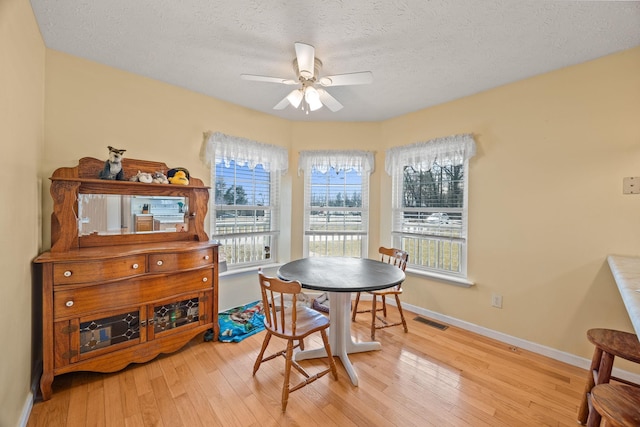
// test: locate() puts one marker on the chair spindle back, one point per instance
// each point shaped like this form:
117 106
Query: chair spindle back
278 316
393 256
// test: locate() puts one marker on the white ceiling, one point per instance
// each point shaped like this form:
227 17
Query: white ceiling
421 52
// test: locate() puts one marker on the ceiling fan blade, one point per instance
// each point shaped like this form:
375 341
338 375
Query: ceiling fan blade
266 79
305 55
282 104
361 78
329 101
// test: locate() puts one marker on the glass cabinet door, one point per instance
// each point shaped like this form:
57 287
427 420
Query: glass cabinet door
175 314
189 310
109 332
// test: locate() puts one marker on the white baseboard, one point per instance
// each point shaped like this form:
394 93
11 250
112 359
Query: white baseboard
26 410
552 353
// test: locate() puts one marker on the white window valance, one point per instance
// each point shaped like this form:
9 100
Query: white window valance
456 149
323 160
225 148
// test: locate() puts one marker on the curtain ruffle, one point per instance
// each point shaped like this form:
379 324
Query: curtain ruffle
245 152
323 160
421 155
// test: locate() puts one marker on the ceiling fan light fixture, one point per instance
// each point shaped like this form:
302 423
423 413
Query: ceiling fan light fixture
312 98
315 105
311 94
295 97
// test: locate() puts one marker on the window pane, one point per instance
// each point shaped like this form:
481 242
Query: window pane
336 189
242 221
335 223
335 245
241 186
246 249
442 186
430 223
244 214
327 220
433 253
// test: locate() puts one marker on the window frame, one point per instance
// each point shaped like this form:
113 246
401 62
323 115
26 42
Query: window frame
243 153
443 235
326 162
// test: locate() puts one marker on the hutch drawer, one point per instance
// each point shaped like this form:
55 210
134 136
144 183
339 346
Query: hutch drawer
159 263
66 273
88 299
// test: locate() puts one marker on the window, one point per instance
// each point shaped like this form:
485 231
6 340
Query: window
336 202
244 207
430 181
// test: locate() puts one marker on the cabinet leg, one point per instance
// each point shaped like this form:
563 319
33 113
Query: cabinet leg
45 385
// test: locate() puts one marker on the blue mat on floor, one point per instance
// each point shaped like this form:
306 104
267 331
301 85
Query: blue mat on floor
239 323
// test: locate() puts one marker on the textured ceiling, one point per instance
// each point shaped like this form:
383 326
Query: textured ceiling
422 53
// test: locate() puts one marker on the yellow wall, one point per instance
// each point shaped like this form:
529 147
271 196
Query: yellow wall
21 136
546 204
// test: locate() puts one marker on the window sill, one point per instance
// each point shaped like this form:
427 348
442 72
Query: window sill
452 280
247 270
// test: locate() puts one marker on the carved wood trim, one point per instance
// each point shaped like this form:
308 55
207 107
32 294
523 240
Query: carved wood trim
64 225
69 182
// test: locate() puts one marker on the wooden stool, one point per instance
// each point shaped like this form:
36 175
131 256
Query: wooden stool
618 404
608 344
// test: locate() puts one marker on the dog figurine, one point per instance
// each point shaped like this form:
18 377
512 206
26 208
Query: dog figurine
113 166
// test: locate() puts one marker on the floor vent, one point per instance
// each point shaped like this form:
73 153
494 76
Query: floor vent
431 323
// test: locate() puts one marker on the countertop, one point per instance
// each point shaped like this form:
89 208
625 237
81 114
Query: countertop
626 272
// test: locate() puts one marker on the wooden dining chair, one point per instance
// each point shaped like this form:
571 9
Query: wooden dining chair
287 320
398 258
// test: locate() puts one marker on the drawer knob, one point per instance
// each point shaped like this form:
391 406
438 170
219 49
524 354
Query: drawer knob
204 279
159 262
206 257
67 273
69 303
135 266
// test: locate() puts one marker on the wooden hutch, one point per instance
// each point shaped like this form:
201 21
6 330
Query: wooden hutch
113 293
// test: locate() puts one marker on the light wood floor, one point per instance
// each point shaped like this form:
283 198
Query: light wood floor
427 377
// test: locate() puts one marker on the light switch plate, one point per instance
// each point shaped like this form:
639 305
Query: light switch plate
631 185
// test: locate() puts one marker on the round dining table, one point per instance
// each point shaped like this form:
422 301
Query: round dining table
339 276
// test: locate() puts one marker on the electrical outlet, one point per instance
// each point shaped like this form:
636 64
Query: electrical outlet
496 300
631 185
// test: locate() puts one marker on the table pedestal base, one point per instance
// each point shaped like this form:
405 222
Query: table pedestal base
340 338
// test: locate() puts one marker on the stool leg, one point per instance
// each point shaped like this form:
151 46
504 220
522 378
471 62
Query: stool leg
594 418
583 411
603 376
606 366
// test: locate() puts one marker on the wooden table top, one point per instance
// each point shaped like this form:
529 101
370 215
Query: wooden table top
342 274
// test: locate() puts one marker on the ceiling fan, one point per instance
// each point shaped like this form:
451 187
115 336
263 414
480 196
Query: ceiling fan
307 96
